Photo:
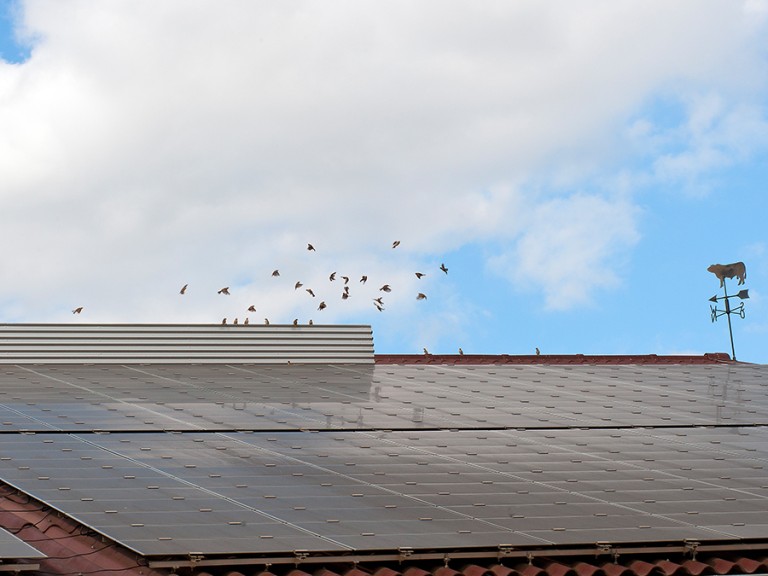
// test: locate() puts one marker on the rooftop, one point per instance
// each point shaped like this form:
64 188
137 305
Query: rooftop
413 465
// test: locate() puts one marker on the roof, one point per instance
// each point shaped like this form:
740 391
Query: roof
447 465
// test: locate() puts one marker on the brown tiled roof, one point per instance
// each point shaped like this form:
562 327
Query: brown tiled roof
469 359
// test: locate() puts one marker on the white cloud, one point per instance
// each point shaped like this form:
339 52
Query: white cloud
145 144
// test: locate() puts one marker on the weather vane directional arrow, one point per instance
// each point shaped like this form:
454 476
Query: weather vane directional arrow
723 271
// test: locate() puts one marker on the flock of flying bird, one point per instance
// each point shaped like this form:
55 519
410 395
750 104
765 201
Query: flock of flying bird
377 302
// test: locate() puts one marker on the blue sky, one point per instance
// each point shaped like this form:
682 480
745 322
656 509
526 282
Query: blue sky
576 177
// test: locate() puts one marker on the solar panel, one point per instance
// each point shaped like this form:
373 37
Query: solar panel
352 397
262 493
12 548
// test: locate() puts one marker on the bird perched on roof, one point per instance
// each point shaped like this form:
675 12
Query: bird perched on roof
297 285
309 291
538 352
421 296
234 321
224 321
275 272
183 289
224 291
310 322
246 321
251 308
396 243
386 288
364 279
322 306
426 352
311 248
266 321
461 352
379 300
443 268
77 310
332 277
420 275
295 321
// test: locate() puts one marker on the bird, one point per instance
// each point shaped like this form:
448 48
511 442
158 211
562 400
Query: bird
310 322
386 288
224 321
332 277
311 248
275 272
234 321
461 352
266 321
344 295
322 306
77 310
379 301
346 279
426 352
297 285
295 321
309 290
379 307
420 275
421 296
396 243
443 268
246 321
251 308
364 279
183 289
224 291
538 352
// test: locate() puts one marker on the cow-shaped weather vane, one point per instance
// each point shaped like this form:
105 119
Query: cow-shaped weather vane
723 271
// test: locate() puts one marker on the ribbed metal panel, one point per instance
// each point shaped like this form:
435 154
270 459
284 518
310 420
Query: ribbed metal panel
177 343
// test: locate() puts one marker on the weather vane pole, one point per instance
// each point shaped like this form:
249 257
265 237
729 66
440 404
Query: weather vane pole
723 271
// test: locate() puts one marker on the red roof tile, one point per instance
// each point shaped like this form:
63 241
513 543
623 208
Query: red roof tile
711 358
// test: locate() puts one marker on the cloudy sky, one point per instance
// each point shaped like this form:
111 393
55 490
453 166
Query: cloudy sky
575 166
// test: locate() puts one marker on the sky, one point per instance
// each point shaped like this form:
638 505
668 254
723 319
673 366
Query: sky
576 167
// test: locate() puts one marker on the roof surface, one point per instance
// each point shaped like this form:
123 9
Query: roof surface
417 464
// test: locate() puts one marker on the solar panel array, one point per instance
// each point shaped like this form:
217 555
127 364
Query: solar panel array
261 459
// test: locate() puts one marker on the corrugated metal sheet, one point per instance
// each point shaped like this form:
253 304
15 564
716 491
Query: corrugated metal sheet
184 343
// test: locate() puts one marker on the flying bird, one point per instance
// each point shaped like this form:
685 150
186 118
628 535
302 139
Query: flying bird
183 289
275 272
364 279
421 296
251 308
77 310
420 275
309 290
322 306
346 279
344 295
332 277
386 288
311 248
379 307
396 243
297 285
443 268
224 291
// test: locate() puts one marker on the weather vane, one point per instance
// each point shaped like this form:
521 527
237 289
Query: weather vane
723 271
